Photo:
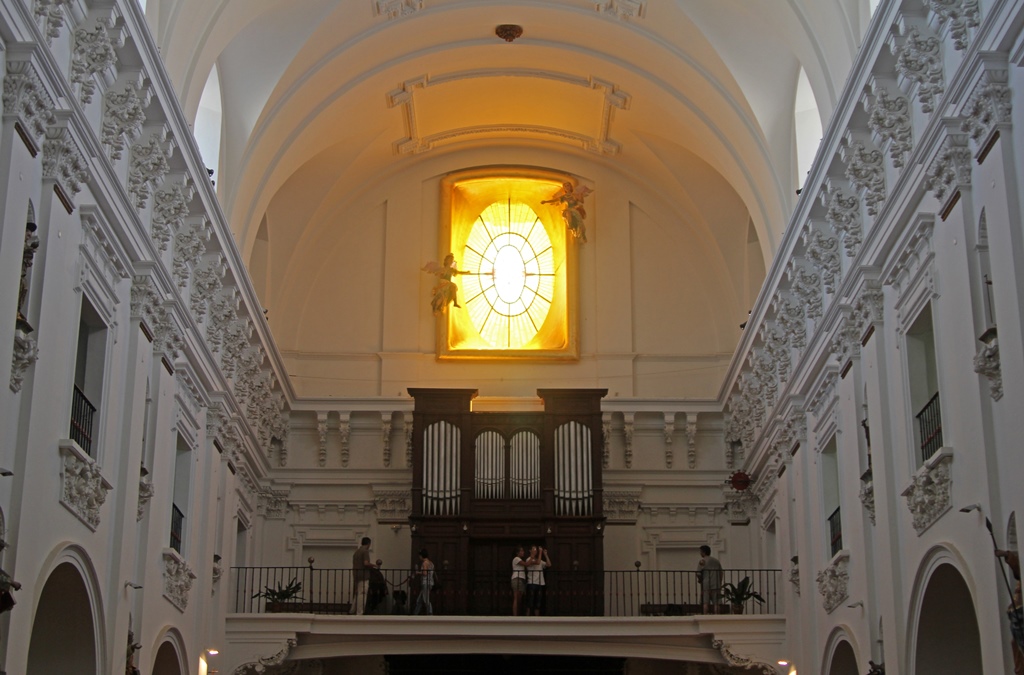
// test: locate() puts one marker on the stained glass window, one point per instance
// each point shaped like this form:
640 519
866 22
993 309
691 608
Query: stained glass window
509 294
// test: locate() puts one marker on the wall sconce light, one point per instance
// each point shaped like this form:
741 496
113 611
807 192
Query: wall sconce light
212 651
600 527
549 530
413 528
395 528
466 527
132 585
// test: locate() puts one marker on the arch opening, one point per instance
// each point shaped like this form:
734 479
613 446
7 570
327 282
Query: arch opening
63 632
948 638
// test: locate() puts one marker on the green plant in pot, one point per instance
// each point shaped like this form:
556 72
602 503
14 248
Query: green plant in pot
276 597
738 594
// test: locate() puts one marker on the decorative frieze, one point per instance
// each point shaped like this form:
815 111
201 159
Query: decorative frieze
833 582
843 216
206 282
739 506
393 506
807 288
794 574
846 341
344 432
83 487
189 247
777 348
789 312
123 117
988 108
223 310
951 168
622 506
868 308
93 54
64 163
50 15
271 504
865 171
27 101
930 492
823 252
889 119
986 362
237 334
919 60
171 206
960 15
178 578
408 439
149 162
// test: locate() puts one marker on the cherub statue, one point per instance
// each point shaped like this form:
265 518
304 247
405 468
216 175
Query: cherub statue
572 208
445 291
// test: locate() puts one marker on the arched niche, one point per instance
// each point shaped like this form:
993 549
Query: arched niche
844 661
947 638
64 636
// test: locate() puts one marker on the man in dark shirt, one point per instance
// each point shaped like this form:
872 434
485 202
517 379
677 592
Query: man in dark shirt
709 574
361 566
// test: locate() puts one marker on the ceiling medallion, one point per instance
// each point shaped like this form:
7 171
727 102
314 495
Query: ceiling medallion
508 31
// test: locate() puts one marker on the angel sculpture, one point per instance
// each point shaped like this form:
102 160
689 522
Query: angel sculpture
572 208
445 290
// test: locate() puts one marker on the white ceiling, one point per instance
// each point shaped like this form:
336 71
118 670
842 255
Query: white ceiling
327 101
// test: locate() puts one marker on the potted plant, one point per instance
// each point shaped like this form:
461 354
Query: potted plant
738 594
277 597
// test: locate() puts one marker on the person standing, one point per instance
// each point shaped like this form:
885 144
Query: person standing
518 579
361 566
426 573
535 566
709 576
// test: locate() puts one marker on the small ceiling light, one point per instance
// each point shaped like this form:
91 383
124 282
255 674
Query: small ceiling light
508 31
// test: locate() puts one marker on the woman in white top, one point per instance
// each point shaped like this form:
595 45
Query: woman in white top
518 578
535 566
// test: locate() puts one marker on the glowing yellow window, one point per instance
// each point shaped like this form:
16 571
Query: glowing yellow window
518 295
510 292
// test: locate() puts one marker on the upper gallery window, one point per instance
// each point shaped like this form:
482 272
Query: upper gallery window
516 285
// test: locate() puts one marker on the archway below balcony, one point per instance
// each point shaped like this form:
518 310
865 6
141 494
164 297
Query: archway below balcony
948 638
167 661
63 633
844 661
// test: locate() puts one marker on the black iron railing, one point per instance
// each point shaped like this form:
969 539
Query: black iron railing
477 593
82 412
929 424
835 531
177 527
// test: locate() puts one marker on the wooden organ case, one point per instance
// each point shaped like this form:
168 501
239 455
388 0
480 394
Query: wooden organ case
486 482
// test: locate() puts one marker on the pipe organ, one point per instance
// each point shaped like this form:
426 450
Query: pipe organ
486 482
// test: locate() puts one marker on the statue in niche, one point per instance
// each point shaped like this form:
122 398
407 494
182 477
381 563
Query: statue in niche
573 213
445 291
28 254
133 646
